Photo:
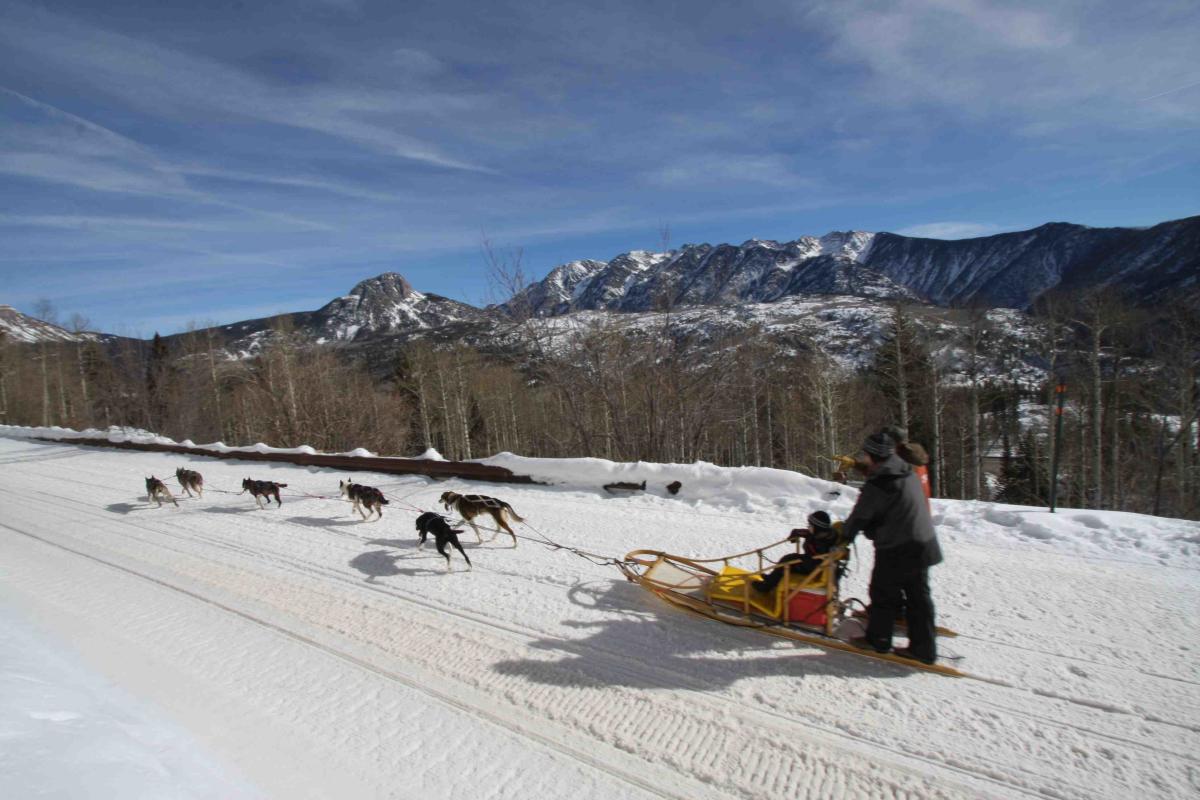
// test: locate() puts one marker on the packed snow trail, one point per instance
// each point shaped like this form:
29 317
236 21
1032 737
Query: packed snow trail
320 654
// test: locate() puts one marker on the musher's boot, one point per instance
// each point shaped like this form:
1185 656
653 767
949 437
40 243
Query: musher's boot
863 643
904 652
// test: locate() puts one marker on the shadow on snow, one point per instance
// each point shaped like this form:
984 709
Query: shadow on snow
652 645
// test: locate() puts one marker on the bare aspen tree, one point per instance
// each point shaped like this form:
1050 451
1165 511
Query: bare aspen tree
1096 316
936 459
5 366
44 310
975 337
79 325
214 383
460 401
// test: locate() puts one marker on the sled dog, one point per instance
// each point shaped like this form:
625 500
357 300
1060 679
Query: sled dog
364 497
190 481
261 489
433 523
469 506
156 490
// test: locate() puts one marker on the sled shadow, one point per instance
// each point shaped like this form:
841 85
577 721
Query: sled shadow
655 646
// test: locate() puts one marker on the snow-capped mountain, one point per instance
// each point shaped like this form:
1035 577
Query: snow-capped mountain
1013 269
758 271
831 292
385 304
18 327
1008 270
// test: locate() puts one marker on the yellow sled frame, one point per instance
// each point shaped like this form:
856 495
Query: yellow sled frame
725 594
718 589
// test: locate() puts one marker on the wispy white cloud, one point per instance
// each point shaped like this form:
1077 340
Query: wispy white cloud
298 181
98 174
1046 65
162 80
951 230
715 169
92 223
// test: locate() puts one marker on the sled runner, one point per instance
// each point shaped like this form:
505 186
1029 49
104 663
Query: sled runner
805 608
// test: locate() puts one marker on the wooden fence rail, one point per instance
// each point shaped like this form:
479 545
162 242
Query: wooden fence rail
396 466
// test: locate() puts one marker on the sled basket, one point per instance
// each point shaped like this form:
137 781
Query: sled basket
723 590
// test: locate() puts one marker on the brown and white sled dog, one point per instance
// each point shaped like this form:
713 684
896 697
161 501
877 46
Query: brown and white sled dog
364 497
190 481
435 524
469 506
156 490
260 489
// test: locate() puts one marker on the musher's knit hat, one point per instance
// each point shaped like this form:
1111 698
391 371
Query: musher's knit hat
819 522
879 446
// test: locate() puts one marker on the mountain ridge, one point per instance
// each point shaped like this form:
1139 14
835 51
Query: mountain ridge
1005 270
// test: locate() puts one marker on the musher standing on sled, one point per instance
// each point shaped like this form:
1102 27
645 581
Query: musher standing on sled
893 512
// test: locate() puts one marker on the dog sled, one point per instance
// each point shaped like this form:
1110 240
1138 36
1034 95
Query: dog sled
806 608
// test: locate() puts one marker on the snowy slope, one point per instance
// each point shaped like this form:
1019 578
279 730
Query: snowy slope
20 327
320 656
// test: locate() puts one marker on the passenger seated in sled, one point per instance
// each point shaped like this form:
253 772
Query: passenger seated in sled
820 537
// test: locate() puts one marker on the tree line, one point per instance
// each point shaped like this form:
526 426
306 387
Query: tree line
661 393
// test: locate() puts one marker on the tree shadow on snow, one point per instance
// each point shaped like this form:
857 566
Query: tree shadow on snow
655 646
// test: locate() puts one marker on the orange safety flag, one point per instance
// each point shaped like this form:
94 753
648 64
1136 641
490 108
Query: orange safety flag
923 473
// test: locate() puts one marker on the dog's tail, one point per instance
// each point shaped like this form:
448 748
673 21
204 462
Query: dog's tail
512 513
281 485
384 500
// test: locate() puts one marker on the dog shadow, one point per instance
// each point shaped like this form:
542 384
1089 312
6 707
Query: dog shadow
230 510
377 564
322 522
409 544
674 649
125 508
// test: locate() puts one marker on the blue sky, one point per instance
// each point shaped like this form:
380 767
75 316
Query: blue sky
171 162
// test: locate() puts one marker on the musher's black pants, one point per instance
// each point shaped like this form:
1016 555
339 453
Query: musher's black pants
901 580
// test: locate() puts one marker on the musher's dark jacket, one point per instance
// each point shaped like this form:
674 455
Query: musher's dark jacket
891 511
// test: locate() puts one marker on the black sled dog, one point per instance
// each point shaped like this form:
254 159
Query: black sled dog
261 489
432 523
156 490
364 497
190 481
469 506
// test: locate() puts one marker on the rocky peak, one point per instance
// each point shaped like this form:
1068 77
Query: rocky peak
386 289
386 303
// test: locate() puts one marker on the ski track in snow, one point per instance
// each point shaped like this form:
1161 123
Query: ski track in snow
352 662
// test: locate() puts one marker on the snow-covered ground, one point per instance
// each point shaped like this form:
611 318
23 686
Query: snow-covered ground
216 650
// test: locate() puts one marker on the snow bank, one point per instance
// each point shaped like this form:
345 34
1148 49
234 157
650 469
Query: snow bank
1084 532
1089 533
740 487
